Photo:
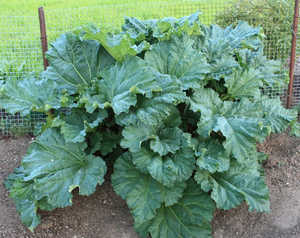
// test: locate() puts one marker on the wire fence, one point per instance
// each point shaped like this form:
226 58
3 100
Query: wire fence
20 43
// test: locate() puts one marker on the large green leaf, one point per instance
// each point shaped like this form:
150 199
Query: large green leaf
241 182
142 193
177 57
74 62
28 94
58 167
119 45
119 85
244 83
188 218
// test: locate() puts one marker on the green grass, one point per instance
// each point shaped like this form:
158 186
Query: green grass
18 6
19 26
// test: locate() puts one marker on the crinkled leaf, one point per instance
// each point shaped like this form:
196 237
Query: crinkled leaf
118 45
58 167
244 83
212 156
142 193
241 133
167 169
272 72
206 101
26 198
75 125
178 58
74 62
188 218
163 29
119 86
168 140
241 123
169 26
244 36
157 108
239 183
219 56
136 134
28 94
276 116
109 141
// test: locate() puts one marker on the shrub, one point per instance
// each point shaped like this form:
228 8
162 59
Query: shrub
173 107
274 16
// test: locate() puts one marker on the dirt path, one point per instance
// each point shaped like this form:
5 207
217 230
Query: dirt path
105 215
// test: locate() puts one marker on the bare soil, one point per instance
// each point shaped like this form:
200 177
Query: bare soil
105 215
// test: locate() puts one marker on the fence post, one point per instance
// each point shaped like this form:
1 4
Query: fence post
43 35
293 55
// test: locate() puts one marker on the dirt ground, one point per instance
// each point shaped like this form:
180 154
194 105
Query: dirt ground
105 215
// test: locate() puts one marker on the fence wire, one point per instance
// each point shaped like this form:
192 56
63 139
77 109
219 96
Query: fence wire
21 51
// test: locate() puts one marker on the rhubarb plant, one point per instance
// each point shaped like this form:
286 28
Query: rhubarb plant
173 108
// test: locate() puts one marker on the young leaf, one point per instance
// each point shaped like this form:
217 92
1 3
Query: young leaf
58 167
75 125
118 45
212 156
240 182
168 140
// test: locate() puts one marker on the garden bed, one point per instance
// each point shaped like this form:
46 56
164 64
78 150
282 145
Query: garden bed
105 215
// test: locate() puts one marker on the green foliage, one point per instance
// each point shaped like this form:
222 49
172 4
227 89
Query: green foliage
274 16
172 106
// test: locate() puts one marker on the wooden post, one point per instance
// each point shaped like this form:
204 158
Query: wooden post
293 55
43 35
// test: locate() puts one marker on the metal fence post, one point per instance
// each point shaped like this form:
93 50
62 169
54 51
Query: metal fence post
293 55
43 35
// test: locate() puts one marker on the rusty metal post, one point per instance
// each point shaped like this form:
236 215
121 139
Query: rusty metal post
43 35
293 55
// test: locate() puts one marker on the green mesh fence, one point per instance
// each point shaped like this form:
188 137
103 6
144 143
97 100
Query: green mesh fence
20 44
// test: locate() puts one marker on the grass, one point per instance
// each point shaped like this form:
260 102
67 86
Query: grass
18 6
19 25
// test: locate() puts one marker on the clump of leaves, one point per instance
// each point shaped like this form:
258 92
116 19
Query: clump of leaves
172 106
